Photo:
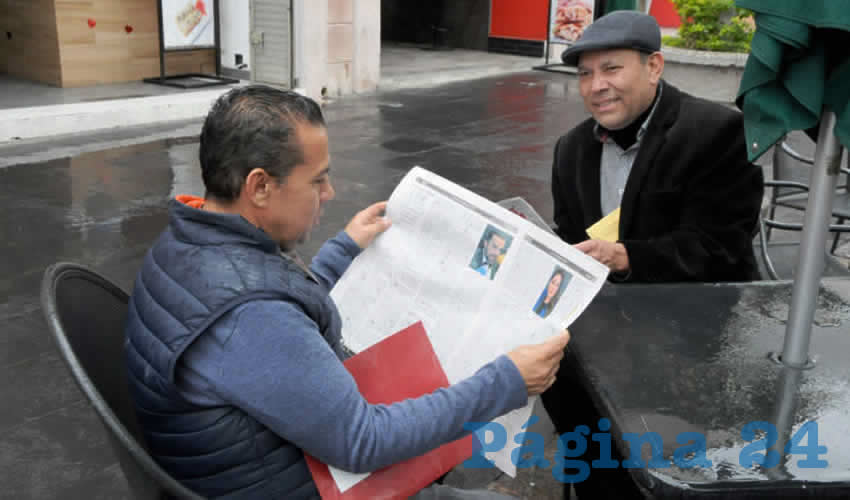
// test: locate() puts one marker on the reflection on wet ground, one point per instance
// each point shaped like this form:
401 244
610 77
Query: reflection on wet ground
494 136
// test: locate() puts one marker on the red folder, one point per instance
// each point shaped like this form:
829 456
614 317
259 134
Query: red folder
399 367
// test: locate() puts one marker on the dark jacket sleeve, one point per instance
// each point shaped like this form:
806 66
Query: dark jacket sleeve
560 209
568 215
713 216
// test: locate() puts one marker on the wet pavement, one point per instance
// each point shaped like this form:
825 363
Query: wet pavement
103 209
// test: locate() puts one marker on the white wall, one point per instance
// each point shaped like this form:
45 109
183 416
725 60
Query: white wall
298 51
235 22
311 46
337 46
311 68
367 45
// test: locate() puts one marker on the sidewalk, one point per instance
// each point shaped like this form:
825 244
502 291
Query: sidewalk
36 111
33 111
410 66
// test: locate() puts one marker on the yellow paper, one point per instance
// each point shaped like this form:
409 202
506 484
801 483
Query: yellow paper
606 228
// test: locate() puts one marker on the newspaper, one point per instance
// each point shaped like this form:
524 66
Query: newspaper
482 279
521 207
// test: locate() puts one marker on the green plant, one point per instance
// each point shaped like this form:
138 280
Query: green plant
715 25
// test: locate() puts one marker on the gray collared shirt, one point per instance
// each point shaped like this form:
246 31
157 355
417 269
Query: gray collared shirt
616 163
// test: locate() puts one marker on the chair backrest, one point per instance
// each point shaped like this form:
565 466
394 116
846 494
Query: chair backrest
85 314
778 260
788 161
791 165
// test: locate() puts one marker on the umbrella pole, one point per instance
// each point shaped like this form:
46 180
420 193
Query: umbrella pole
822 184
784 417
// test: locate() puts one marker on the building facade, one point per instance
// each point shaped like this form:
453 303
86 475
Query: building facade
324 47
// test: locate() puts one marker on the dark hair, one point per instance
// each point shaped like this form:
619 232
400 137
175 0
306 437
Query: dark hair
561 287
556 272
542 308
495 232
252 127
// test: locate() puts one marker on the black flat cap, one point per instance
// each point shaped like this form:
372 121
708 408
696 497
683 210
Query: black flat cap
621 29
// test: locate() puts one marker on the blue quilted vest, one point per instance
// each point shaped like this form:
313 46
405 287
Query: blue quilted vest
203 266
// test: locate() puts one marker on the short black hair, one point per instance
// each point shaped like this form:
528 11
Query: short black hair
253 127
496 233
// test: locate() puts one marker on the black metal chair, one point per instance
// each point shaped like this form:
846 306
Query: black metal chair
789 187
779 259
85 313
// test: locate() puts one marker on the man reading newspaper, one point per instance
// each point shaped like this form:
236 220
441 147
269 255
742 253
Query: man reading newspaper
234 346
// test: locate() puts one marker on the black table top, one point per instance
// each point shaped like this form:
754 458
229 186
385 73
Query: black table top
695 358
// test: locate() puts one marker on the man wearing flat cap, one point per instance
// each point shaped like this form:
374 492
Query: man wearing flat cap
674 165
671 166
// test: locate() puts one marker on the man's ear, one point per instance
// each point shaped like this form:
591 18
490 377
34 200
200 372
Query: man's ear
257 187
655 64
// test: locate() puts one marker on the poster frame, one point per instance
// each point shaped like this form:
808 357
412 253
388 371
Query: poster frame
214 15
190 80
550 40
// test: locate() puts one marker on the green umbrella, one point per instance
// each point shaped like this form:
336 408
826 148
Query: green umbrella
798 67
796 79
612 5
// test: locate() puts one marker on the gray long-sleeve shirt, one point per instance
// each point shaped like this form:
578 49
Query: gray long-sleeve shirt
269 359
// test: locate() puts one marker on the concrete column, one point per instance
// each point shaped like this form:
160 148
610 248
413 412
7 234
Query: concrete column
367 45
337 46
341 52
310 18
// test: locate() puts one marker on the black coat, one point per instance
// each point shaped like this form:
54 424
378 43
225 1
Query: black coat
691 203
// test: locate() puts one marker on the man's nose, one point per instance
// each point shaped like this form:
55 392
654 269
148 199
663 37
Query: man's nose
329 192
600 83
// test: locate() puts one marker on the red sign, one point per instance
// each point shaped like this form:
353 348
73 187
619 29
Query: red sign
520 19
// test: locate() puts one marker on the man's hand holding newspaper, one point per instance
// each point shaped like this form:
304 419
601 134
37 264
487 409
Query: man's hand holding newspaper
538 364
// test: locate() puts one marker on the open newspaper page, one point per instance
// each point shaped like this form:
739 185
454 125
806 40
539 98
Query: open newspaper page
483 280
